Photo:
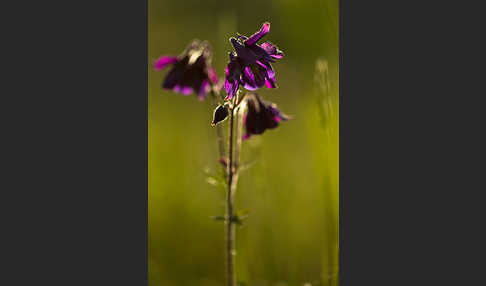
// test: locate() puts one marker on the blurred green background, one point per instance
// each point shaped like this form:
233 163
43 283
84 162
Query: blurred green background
292 189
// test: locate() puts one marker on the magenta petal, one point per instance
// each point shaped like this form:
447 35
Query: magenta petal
232 72
250 87
231 88
250 80
271 73
270 83
249 76
212 76
258 35
163 61
184 90
203 90
272 50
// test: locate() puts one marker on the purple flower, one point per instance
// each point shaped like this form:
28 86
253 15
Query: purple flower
191 71
260 115
250 64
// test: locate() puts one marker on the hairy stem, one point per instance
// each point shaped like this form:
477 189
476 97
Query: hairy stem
230 226
236 159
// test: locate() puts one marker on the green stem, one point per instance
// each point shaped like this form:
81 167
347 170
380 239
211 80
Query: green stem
230 226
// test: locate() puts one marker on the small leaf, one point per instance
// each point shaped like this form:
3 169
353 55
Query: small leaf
242 214
212 181
217 181
237 220
246 166
219 217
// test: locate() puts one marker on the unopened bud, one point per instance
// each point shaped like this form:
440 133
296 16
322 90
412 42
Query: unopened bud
220 113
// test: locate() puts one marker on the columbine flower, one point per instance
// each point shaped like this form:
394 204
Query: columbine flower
191 71
260 115
250 64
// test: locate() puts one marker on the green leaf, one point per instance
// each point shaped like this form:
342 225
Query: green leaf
219 218
246 166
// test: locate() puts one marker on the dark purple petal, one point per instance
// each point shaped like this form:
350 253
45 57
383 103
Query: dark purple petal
269 74
272 50
173 77
246 56
260 53
191 71
260 115
232 76
268 69
163 61
233 69
254 77
203 90
258 35
249 79
231 88
277 115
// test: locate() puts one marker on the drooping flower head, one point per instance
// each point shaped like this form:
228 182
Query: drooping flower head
260 115
250 63
191 71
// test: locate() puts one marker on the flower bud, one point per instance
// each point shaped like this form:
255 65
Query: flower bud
220 113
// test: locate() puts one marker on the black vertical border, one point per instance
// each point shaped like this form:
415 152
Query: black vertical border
76 147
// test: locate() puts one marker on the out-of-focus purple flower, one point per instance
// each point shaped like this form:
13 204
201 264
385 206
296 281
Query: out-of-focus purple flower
250 64
260 115
191 71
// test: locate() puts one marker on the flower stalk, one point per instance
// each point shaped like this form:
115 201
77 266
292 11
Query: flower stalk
230 225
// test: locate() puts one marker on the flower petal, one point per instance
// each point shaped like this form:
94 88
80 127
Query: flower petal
212 75
173 77
232 76
270 83
184 90
249 79
260 116
272 50
258 35
203 90
163 61
246 56
231 87
260 53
